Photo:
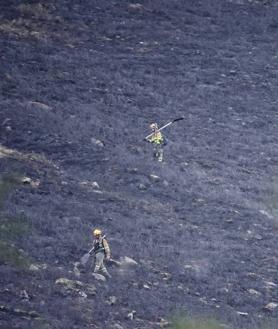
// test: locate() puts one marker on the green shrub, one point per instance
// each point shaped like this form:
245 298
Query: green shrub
12 227
7 182
10 255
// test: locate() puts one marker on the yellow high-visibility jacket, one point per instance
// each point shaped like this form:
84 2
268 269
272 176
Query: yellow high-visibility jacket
156 138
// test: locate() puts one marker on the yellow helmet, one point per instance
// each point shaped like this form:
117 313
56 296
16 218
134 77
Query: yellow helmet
96 232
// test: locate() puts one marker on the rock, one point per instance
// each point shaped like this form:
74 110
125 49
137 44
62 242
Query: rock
242 313
135 6
253 292
95 185
69 284
131 315
97 142
26 180
127 261
37 267
154 178
5 121
40 105
23 295
117 326
76 286
76 269
90 289
111 300
165 276
271 306
163 323
265 213
142 187
35 183
99 277
132 170
83 294
146 286
19 312
270 285
34 267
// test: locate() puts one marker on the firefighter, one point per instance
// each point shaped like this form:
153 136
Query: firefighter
101 251
157 140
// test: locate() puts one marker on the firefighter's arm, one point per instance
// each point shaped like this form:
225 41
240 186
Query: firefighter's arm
106 249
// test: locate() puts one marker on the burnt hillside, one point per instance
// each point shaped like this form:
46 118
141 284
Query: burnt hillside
80 83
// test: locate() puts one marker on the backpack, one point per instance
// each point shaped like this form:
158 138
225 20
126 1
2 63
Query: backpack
165 141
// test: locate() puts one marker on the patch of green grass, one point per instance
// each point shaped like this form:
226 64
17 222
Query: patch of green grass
10 255
7 183
183 323
12 227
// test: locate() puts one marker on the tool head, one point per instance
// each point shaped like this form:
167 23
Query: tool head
154 126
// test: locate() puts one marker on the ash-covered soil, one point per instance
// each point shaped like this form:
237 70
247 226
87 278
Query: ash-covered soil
80 83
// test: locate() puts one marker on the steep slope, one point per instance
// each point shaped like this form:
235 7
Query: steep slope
81 81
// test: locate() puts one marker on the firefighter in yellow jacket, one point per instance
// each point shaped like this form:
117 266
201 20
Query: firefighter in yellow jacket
101 251
158 142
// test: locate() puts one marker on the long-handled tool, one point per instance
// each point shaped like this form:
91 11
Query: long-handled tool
167 124
84 259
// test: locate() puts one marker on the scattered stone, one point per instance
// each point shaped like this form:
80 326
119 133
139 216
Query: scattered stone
166 276
270 285
93 185
265 213
37 267
165 183
23 295
35 184
142 187
242 313
155 178
131 315
111 300
99 277
69 284
76 286
76 269
5 121
163 323
83 294
18 312
34 267
271 306
135 6
117 326
40 105
132 170
26 180
97 142
146 286
90 289
254 292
